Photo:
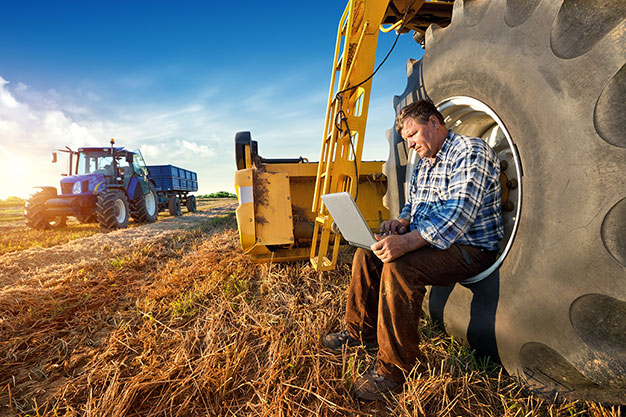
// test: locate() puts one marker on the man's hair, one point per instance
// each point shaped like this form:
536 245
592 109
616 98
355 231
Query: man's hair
420 111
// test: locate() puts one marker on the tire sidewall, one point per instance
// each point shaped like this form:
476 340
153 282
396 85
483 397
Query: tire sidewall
191 204
35 212
120 200
106 209
152 217
571 179
139 205
174 206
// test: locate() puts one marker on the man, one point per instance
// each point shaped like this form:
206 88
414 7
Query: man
448 231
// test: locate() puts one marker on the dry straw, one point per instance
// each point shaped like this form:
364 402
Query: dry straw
188 326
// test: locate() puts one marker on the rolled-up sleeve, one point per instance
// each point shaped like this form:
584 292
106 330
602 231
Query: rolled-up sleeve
405 214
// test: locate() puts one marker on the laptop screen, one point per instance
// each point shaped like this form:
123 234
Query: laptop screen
349 219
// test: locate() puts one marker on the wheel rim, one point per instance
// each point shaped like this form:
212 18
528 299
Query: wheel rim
471 117
120 211
55 221
150 203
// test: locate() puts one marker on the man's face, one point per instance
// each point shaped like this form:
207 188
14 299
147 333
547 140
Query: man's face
422 137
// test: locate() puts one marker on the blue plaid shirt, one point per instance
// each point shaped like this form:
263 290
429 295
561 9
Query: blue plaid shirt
456 198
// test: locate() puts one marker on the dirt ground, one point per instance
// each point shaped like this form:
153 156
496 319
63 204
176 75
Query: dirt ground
57 261
173 319
61 295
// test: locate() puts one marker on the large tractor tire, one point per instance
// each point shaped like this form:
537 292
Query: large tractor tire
145 208
35 212
173 205
88 218
544 83
191 204
112 209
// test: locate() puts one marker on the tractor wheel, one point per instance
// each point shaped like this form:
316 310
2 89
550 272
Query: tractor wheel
35 212
191 204
58 222
173 205
112 209
544 83
89 218
144 208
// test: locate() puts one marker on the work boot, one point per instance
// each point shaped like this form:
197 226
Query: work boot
336 341
372 386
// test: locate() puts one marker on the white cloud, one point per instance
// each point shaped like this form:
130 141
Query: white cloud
9 129
178 149
32 124
198 150
21 86
28 135
6 98
193 132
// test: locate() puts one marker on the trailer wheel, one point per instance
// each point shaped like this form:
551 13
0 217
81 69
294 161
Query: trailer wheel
173 205
112 209
35 212
144 208
552 72
191 204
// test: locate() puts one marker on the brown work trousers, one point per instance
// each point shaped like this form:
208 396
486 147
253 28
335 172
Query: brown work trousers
385 299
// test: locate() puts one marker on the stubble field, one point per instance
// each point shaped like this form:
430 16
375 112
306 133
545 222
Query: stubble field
172 319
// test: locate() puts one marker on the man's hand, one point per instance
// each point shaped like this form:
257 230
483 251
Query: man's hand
389 248
395 226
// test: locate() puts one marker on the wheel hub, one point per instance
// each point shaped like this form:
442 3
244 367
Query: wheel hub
150 203
119 211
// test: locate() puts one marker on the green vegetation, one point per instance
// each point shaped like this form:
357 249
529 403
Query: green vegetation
12 214
12 202
188 303
219 194
11 210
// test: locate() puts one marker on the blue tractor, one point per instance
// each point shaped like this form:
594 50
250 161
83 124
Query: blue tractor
107 185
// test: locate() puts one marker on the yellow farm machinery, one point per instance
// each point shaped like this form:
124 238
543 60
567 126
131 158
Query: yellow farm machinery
543 82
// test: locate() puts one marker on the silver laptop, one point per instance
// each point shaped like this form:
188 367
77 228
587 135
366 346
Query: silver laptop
349 219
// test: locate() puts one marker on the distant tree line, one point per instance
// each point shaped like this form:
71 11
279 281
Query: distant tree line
219 194
12 201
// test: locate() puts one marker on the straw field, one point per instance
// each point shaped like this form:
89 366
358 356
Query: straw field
171 319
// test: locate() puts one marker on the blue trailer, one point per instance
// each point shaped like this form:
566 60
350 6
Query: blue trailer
173 185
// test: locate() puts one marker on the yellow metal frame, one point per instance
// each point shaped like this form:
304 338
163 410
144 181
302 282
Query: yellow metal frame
267 200
390 28
340 158
274 214
287 220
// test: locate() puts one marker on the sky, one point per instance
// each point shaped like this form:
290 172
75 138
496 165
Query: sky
176 80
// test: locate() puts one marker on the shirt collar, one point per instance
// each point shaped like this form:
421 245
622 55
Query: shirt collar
447 142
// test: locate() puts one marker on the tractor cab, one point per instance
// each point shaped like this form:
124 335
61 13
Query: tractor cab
94 168
91 169
100 161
